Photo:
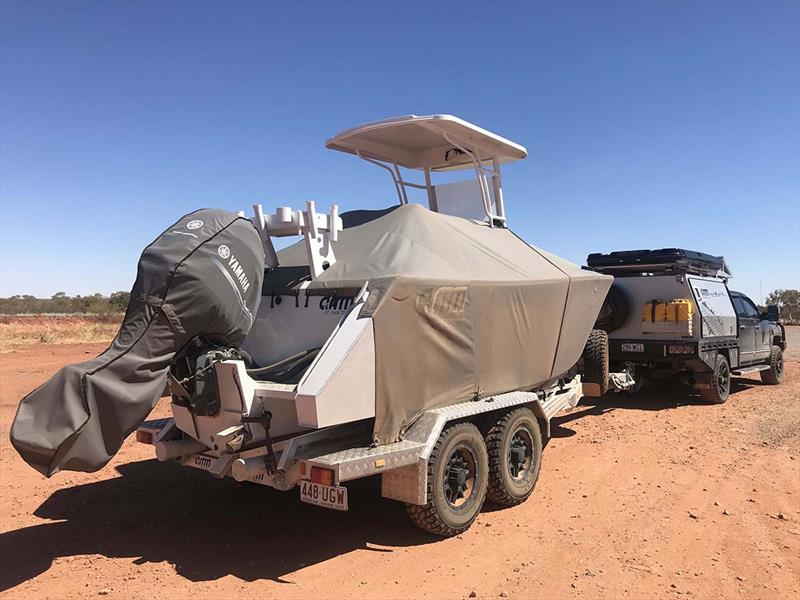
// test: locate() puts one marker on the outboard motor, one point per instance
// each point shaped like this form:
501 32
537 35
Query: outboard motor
198 283
193 379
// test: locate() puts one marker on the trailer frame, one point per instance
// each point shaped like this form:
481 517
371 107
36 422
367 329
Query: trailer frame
340 449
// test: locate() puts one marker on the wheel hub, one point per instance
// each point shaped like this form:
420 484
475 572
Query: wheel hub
459 477
519 453
722 379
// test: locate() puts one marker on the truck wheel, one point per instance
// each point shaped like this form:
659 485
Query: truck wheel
458 470
595 360
514 444
774 375
720 382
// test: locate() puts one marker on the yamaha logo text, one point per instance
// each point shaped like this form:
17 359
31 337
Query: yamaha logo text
233 264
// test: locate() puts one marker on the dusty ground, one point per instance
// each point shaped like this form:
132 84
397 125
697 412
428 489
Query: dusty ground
20 331
654 496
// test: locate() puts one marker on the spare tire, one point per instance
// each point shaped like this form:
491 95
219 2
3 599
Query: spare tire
595 360
614 311
200 278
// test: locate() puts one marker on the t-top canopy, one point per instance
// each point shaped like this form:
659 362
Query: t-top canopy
435 142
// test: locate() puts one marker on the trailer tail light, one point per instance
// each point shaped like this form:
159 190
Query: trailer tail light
144 436
321 476
680 349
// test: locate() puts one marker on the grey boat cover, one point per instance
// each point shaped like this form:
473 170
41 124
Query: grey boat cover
460 309
201 277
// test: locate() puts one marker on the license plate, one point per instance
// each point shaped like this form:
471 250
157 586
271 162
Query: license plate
632 347
327 496
198 461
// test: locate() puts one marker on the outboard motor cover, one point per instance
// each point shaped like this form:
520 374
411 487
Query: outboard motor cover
200 278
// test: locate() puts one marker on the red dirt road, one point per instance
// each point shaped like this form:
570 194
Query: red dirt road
640 497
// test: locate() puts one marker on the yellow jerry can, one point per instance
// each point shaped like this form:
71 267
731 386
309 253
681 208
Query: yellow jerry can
680 310
654 312
647 312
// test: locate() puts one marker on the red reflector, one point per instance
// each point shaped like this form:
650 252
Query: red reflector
146 437
320 475
302 468
681 349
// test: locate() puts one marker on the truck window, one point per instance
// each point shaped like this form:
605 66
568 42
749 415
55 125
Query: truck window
749 308
737 304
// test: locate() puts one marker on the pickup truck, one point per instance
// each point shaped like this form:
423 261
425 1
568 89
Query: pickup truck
670 314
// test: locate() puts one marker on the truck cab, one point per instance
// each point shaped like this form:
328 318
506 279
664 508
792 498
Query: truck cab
758 333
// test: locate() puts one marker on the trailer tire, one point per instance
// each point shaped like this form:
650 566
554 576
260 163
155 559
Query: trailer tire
514 443
774 375
719 383
458 475
595 360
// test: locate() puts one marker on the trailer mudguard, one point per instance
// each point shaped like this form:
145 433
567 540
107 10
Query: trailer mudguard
200 278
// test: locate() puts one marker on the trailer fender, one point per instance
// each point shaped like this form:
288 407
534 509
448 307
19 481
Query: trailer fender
408 483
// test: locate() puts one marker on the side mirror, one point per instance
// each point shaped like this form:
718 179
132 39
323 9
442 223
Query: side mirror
773 312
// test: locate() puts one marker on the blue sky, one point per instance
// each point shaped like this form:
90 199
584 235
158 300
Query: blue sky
647 124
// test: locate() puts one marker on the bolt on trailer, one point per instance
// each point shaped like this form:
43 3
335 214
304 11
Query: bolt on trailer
430 346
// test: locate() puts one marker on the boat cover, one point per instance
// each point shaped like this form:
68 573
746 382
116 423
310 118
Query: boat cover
200 278
460 309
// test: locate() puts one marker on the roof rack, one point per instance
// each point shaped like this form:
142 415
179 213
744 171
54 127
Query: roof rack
664 261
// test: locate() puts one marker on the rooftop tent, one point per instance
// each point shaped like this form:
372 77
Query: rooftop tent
664 261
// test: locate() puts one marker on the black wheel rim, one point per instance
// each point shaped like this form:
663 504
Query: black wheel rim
459 477
520 456
723 379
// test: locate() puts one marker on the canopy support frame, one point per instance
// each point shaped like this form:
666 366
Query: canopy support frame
481 174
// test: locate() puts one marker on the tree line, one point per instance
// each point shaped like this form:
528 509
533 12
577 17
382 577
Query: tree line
789 302
60 303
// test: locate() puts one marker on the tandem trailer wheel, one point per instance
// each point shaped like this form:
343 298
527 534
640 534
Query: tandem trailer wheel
458 474
514 444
